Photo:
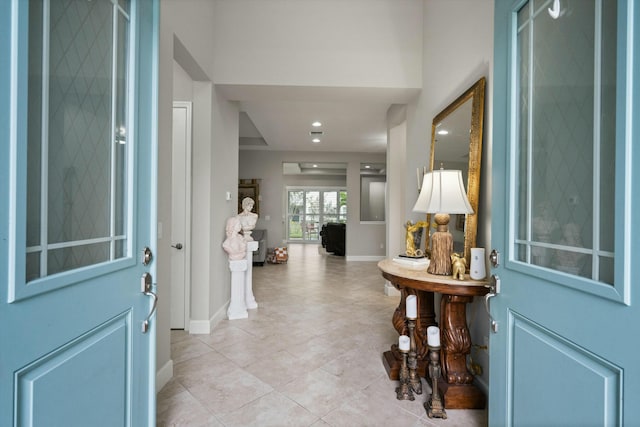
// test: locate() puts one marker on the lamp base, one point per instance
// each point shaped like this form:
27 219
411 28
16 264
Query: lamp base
441 249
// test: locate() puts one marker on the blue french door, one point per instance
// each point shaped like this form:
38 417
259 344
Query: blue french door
565 203
78 191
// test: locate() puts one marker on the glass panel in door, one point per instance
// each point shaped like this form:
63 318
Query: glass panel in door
566 132
312 215
77 136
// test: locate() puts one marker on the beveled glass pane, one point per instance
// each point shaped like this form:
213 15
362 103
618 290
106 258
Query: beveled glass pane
565 178
121 131
608 126
76 170
523 127
125 5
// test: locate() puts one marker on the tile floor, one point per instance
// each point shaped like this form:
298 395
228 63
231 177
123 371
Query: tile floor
309 355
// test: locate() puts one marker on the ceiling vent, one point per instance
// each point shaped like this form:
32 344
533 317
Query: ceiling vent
316 133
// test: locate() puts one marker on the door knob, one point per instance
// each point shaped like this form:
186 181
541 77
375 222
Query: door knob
178 246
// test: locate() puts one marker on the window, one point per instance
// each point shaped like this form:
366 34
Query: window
308 209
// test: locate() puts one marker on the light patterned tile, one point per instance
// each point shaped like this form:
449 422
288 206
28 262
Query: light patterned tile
357 368
188 348
271 410
360 410
311 353
229 392
182 409
278 369
319 391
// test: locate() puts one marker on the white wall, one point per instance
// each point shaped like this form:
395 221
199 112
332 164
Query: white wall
458 50
185 36
355 43
362 240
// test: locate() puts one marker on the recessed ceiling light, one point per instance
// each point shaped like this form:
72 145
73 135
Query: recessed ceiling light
443 132
316 124
315 166
316 140
367 166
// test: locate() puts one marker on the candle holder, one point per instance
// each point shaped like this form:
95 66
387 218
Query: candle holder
435 406
412 359
404 392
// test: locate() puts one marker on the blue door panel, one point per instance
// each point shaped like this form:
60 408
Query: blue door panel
93 368
72 350
564 352
576 377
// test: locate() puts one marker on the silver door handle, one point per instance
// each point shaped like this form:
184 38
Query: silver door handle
494 289
146 290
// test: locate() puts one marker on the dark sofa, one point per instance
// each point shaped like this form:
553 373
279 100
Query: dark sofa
333 237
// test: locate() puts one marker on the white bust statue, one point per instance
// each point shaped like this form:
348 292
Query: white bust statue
234 245
247 218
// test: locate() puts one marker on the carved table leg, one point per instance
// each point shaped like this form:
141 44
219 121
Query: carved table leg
459 392
392 359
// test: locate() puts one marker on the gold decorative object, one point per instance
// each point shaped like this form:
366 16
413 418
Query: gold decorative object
410 238
458 266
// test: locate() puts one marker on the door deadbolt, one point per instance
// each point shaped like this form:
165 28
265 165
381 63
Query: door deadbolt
147 255
494 258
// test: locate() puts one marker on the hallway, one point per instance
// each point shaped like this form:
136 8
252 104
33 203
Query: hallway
310 355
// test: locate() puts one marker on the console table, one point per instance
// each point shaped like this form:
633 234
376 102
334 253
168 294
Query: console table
457 388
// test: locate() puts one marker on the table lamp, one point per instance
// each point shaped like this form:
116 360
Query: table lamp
442 194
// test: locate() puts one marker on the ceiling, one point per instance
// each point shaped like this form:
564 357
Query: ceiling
279 118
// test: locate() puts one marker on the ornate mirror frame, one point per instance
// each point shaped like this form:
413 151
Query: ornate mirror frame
476 94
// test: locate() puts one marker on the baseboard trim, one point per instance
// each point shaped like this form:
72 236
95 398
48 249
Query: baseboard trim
204 327
390 290
365 258
199 327
164 375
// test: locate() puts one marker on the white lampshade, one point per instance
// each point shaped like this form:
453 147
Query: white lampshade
443 192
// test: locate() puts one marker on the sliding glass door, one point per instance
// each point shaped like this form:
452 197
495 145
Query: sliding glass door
309 208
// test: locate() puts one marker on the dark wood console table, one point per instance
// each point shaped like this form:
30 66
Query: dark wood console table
457 388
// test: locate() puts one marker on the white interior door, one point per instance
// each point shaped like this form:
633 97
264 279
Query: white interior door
78 194
180 214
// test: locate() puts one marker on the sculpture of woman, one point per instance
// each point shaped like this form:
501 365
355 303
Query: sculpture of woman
234 245
247 218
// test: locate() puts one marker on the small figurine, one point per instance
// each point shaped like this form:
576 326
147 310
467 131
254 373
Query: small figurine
458 266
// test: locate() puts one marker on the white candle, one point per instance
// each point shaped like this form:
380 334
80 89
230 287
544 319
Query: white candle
433 336
412 307
403 343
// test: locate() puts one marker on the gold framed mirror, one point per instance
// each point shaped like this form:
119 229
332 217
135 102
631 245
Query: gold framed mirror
456 143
